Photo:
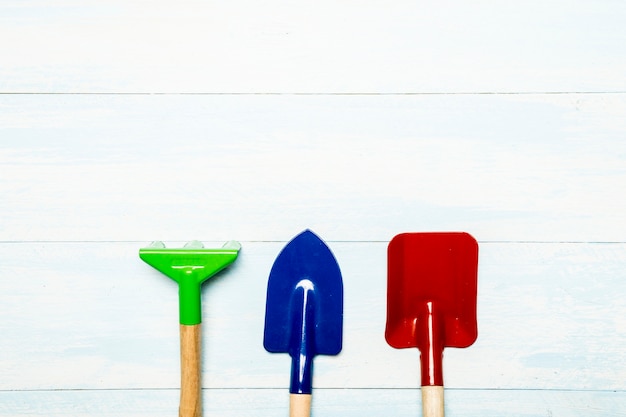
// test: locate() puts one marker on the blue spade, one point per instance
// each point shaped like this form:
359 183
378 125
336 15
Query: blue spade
304 310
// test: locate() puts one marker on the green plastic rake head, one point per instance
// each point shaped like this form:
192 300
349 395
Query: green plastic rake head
189 266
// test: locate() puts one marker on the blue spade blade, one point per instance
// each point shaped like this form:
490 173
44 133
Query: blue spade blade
304 308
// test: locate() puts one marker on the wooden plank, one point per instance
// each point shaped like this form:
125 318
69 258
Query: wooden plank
93 316
321 47
505 168
326 403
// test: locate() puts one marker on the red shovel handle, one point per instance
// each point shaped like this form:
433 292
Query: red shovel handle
432 401
430 334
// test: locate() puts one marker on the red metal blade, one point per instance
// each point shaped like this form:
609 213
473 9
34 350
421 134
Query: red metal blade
431 295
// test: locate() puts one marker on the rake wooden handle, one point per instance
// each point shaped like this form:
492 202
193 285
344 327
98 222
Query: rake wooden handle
190 388
299 405
432 401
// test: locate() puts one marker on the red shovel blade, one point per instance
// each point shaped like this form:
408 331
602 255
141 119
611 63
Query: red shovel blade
431 296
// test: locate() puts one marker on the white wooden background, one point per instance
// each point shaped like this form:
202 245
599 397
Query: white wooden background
123 122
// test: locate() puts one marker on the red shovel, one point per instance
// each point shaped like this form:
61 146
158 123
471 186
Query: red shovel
431 302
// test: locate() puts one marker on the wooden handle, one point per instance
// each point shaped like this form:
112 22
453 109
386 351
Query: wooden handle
432 401
190 388
299 405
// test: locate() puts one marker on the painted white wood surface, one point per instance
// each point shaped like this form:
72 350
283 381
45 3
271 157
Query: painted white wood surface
505 168
311 47
326 403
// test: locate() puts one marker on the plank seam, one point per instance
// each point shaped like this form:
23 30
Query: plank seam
424 93
4 391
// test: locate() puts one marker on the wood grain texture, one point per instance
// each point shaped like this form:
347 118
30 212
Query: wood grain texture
433 401
190 404
300 405
312 47
138 168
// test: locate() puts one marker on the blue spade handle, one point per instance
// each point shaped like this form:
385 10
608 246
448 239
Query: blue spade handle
303 330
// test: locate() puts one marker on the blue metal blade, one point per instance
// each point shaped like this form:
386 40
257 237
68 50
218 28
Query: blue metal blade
304 308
